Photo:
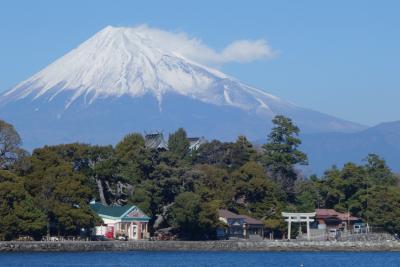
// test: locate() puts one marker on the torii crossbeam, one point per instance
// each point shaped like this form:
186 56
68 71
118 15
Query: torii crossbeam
298 218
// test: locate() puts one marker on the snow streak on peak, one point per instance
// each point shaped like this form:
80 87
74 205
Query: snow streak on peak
136 61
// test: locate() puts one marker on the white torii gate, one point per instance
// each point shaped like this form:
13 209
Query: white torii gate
298 218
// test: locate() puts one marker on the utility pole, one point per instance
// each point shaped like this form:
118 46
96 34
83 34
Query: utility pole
366 209
348 218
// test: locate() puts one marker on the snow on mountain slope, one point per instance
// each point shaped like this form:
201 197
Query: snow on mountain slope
129 61
126 79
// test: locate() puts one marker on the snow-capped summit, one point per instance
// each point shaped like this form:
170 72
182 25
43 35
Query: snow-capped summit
130 79
133 61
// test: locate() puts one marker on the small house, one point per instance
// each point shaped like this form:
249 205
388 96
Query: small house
240 226
331 219
128 221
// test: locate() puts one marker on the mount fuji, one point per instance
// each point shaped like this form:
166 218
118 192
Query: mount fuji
124 79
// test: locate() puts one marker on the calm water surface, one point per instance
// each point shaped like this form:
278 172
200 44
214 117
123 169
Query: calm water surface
201 259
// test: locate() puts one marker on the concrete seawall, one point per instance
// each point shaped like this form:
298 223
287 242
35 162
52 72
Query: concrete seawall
78 246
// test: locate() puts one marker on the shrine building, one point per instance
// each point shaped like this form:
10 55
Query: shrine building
127 221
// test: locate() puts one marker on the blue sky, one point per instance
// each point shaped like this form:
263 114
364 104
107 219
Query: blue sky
338 57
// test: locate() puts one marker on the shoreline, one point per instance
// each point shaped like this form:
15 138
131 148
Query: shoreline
238 246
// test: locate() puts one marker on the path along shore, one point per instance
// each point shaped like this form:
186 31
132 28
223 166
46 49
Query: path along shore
79 246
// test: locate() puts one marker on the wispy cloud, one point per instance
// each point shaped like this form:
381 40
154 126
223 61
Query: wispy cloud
239 51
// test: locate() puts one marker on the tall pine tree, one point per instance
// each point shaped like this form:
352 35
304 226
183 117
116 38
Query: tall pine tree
281 153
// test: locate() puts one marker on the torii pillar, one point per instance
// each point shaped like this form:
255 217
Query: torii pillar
298 218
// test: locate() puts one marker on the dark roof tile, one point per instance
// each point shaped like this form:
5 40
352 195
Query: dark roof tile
230 215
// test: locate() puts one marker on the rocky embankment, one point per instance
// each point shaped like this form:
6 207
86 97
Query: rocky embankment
76 246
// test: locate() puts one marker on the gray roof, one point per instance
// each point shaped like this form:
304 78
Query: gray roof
230 215
155 141
196 142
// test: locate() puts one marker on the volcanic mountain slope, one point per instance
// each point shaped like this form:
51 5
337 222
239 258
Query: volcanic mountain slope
124 79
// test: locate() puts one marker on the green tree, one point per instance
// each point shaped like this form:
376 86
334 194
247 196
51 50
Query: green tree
341 189
60 192
256 194
19 215
378 171
214 153
281 153
213 183
10 143
384 208
368 191
103 168
135 161
308 196
208 219
242 152
178 143
185 214
193 219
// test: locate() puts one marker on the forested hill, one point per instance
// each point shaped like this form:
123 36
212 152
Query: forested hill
48 191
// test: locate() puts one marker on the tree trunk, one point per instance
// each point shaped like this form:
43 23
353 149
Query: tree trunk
161 218
101 192
109 189
122 186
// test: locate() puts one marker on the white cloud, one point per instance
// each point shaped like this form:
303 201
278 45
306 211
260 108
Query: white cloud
240 51
246 51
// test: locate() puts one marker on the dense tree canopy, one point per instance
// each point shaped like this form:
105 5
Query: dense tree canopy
193 218
60 192
18 212
48 192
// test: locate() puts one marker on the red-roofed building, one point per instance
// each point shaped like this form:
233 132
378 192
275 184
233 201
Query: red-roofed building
331 219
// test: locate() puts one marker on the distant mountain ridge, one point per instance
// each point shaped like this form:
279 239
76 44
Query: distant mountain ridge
328 149
122 80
